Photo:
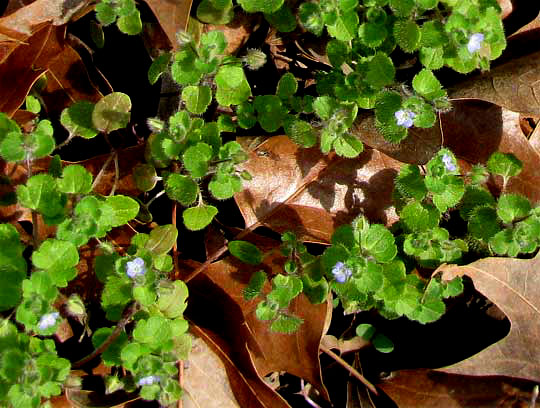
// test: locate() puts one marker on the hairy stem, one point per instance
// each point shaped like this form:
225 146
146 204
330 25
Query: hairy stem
129 311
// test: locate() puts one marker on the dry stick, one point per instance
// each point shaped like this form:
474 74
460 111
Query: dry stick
116 174
102 171
350 369
314 173
126 317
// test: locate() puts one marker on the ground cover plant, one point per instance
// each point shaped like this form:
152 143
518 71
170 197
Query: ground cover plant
269 203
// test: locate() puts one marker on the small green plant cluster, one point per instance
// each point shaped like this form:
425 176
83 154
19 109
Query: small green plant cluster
365 37
136 286
369 266
187 147
122 12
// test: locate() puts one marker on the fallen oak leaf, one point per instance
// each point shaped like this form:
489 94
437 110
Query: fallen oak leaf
514 85
426 389
216 298
311 193
204 380
514 286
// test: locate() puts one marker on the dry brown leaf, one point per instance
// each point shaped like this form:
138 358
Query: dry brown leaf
428 389
474 130
173 16
418 148
67 82
23 22
514 286
26 64
343 188
514 85
220 291
212 379
344 346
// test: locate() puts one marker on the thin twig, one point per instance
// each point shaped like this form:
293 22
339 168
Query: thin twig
129 311
350 369
116 174
65 142
534 396
154 198
181 380
102 171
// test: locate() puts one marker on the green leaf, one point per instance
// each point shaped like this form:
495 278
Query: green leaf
223 187
144 295
270 112
382 343
337 52
162 239
41 141
365 330
119 210
211 13
325 107
196 159
246 252
265 6
311 17
372 34
197 98
105 14
283 19
12 147
427 85
145 176
502 243
111 355
32 104
379 242
504 164
232 85
246 115
77 119
158 67
300 132
386 105
453 288
410 183
418 217
75 180
286 324
432 58
483 222
402 8
112 112
172 298
407 35
130 24
512 206
287 86
183 69
40 194
348 146
345 26
255 285
154 331
197 218
381 71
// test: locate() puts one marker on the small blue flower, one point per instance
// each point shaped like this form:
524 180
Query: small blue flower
475 42
135 268
341 272
48 320
405 118
149 380
449 162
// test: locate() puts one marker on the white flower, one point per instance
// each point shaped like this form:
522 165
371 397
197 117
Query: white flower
405 118
341 272
48 320
475 42
135 268
449 162
149 380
